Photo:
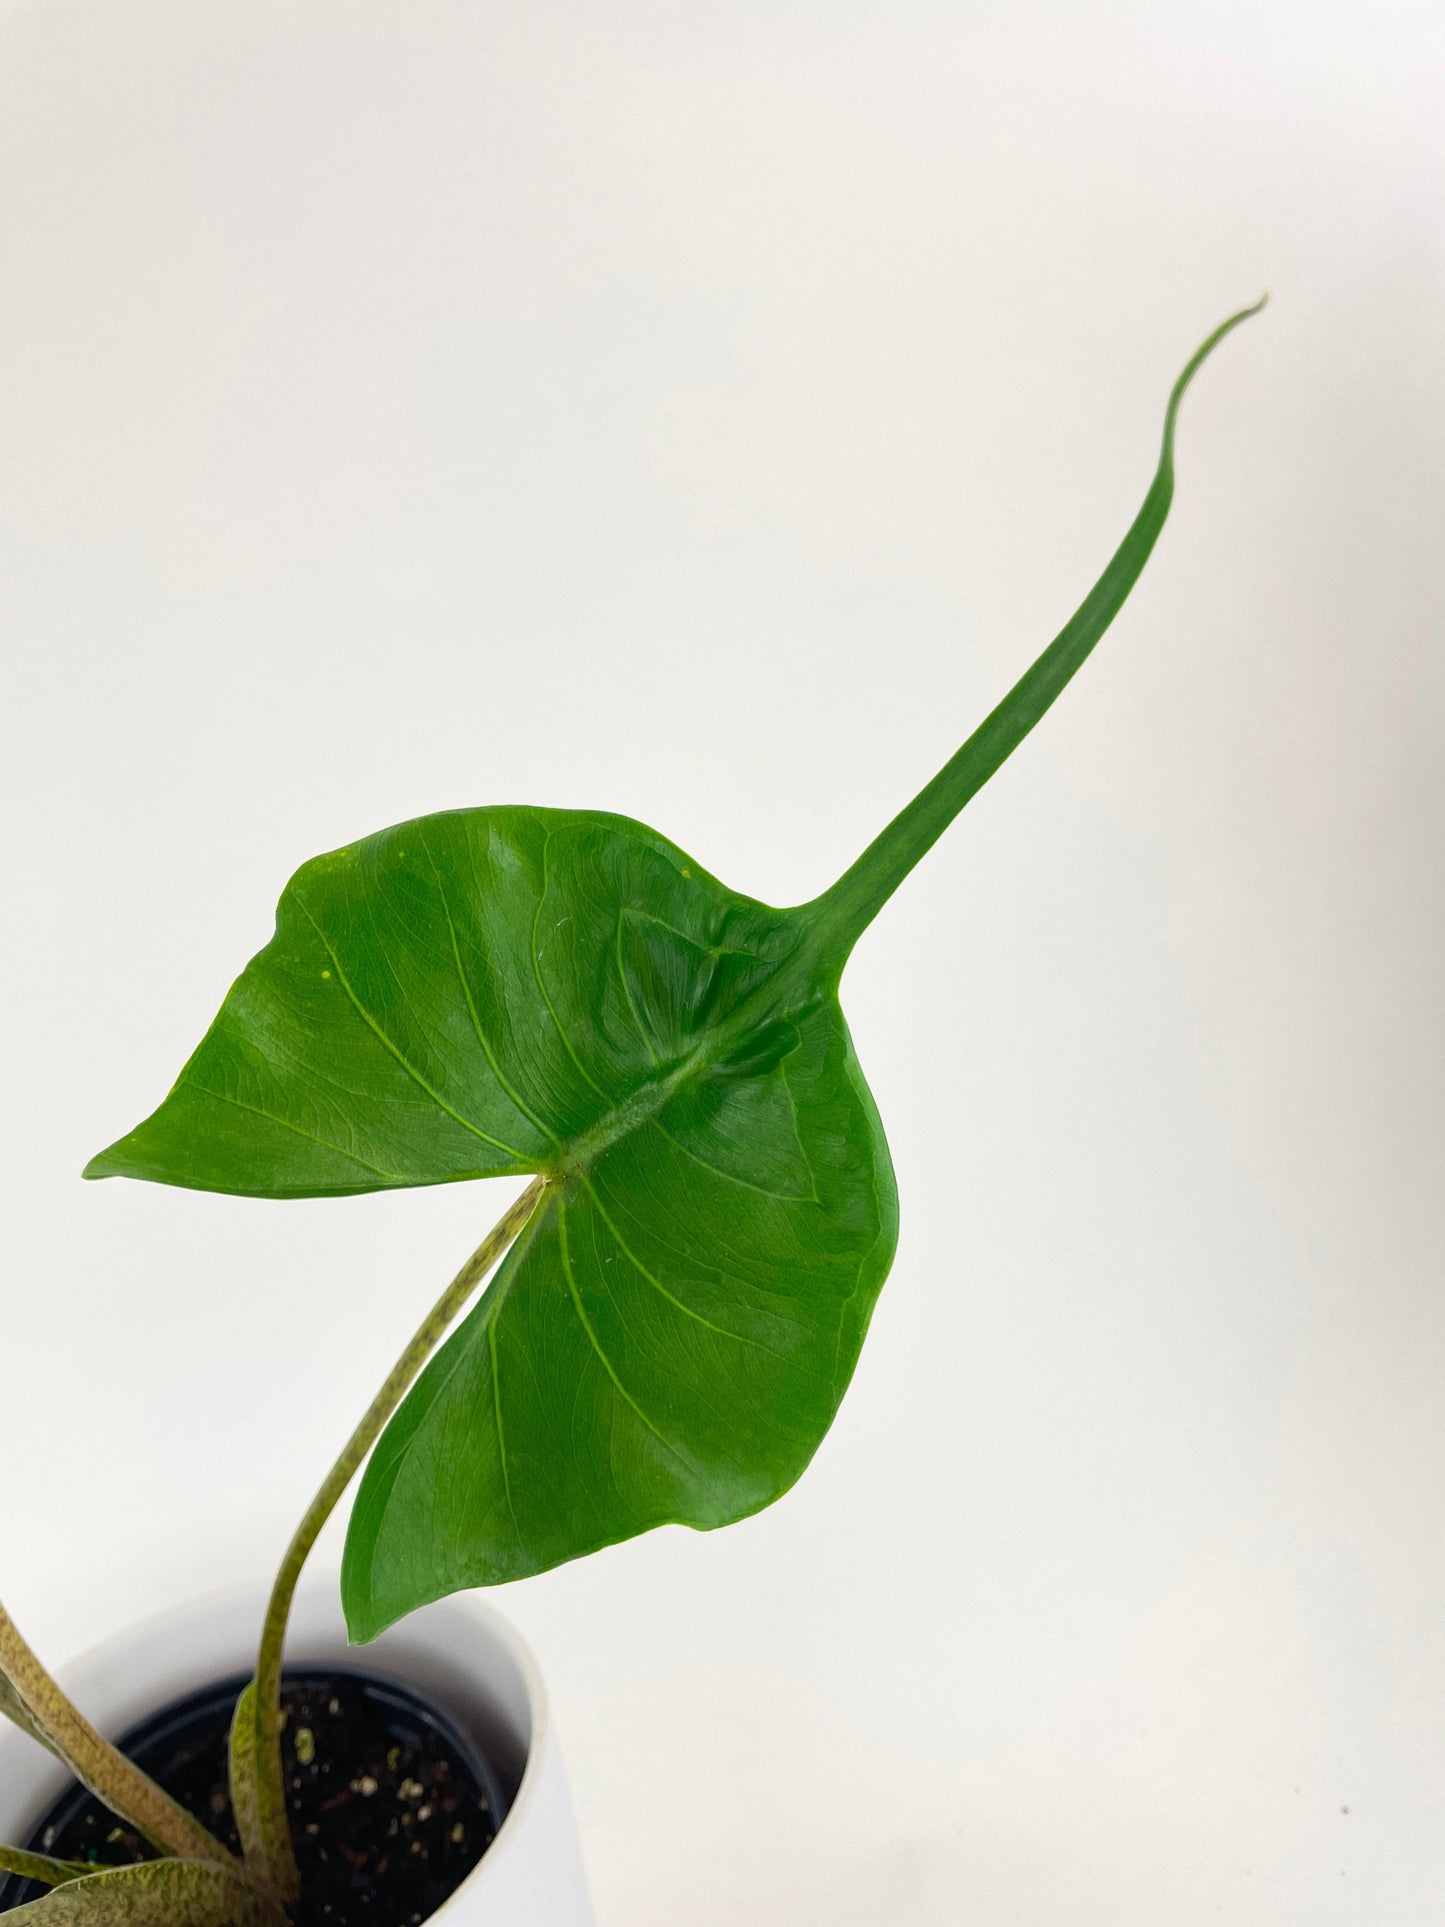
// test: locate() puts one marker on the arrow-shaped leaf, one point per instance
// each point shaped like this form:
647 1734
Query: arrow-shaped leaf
522 990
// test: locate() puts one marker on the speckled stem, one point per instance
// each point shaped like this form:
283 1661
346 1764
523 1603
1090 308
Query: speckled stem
97 1764
269 1793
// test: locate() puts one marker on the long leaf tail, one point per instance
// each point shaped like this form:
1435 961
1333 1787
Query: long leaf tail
842 913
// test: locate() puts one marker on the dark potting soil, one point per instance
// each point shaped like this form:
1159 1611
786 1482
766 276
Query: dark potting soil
391 1808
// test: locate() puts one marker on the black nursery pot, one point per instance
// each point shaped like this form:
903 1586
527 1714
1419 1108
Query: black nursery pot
423 1770
391 1806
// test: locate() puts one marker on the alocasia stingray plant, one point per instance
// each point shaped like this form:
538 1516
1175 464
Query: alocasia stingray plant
684 1284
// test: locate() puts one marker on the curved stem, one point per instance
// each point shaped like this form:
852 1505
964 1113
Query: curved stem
269 1797
843 912
107 1773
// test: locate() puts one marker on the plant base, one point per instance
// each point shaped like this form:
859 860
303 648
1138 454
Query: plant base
459 1659
390 1807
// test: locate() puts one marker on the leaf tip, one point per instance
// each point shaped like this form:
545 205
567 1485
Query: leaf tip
362 1626
358 1607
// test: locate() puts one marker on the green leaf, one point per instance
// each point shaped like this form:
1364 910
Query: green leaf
508 991
159 1893
576 988
40 1866
668 1340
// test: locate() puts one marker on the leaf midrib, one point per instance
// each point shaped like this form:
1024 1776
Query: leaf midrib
576 1156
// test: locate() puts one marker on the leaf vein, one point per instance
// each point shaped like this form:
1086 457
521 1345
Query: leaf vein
255 1110
631 1000
501 1429
412 1072
542 988
596 1343
487 1050
731 1177
641 1269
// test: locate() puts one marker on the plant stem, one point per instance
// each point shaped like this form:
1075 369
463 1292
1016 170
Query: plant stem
843 912
18 1713
40 1866
108 1774
269 1775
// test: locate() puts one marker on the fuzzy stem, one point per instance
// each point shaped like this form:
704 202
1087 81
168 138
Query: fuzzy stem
842 913
108 1774
269 1792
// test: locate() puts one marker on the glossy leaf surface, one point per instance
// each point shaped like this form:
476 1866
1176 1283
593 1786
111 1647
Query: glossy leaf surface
507 991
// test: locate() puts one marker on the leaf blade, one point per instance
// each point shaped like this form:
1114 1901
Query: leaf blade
157 1893
566 993
698 1329
458 1051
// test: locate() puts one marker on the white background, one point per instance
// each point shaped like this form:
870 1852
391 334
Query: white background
704 411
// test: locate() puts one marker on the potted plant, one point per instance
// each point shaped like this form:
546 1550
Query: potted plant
676 1303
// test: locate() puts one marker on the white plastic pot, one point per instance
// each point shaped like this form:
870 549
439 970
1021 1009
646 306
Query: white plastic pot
459 1656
